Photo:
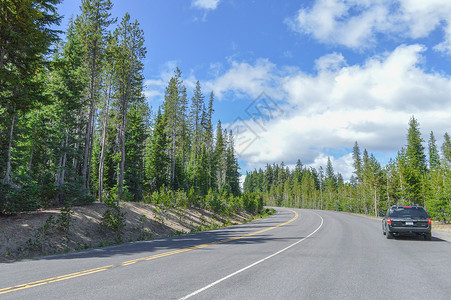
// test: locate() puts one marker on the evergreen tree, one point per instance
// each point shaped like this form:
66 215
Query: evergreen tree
67 87
434 157
416 160
330 184
220 163
446 150
174 108
129 81
92 26
357 162
157 160
232 173
25 40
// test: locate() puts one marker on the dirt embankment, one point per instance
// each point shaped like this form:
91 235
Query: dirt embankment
51 231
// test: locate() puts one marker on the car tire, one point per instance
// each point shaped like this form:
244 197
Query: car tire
428 237
389 235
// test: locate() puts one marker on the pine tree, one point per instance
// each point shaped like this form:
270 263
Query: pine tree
129 80
330 184
434 157
25 40
67 86
92 25
107 94
446 150
157 160
415 148
197 105
174 108
416 160
357 162
232 173
220 163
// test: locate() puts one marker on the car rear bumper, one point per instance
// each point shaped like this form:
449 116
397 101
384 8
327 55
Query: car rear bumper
409 230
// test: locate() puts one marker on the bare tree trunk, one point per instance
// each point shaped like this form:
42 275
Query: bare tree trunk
7 178
84 170
32 146
88 174
122 164
122 147
76 147
102 152
173 156
375 201
63 171
60 177
89 129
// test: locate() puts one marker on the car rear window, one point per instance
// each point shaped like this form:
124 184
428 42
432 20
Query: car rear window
413 212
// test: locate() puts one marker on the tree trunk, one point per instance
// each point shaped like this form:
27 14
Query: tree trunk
122 128
375 202
102 152
60 178
63 171
88 174
7 178
89 129
88 137
30 161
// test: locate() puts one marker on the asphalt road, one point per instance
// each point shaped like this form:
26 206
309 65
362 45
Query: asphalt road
295 254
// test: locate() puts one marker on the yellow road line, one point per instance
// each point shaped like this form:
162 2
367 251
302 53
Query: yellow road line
54 279
130 262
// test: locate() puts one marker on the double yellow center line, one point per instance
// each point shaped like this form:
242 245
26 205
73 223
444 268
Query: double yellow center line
130 262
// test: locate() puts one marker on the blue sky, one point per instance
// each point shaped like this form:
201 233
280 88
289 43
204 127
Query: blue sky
304 79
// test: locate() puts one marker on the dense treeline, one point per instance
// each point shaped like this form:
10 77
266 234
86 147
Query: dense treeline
414 176
75 125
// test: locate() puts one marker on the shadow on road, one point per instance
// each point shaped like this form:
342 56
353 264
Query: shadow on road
239 234
417 238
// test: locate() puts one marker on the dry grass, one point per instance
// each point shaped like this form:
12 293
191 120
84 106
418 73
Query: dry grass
439 226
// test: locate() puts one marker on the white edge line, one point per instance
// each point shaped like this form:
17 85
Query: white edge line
252 265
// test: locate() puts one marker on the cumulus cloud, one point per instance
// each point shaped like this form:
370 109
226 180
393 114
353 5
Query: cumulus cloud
205 4
244 78
356 23
315 116
371 103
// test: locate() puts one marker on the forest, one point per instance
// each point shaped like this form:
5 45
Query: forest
414 176
75 126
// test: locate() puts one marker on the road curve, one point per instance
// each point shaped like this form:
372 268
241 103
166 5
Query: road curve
295 254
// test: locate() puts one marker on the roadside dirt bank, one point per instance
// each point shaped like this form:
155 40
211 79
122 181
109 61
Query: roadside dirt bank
51 231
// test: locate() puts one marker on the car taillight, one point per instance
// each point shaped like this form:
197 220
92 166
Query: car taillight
388 221
429 221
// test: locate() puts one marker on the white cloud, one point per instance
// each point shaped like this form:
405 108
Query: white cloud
246 79
355 23
331 62
205 4
323 114
371 103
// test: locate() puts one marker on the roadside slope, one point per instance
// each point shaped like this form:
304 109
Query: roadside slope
45 232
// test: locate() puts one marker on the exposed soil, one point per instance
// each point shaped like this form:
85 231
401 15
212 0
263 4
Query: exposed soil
439 226
44 232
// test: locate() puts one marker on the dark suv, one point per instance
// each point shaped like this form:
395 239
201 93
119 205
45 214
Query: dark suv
408 220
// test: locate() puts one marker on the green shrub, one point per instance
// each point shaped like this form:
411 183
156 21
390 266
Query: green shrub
113 220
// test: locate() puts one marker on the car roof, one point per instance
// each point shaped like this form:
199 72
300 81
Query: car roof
406 206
